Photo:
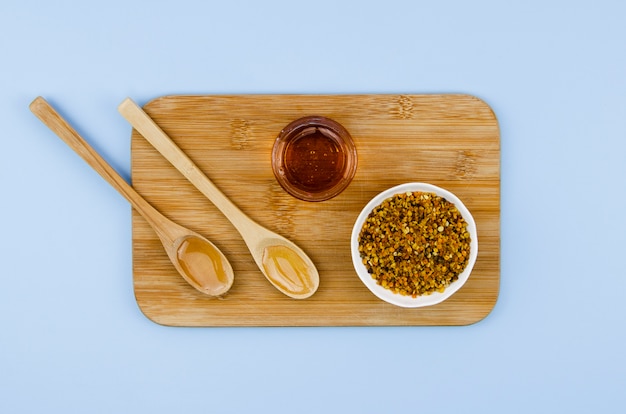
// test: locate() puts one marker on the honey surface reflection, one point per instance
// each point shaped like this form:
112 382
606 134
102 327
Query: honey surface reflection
204 265
288 271
314 160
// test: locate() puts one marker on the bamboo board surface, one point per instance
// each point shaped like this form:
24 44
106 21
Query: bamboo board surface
448 140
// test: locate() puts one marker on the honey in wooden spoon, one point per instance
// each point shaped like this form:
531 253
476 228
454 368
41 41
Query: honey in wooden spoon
198 261
286 270
281 261
202 263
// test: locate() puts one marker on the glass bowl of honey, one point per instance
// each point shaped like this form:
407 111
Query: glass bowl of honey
314 158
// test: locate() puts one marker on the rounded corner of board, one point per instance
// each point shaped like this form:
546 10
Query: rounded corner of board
487 311
485 104
152 317
155 101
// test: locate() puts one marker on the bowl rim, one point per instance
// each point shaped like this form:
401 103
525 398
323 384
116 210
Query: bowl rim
386 294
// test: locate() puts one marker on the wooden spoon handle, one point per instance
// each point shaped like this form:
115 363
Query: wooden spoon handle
164 144
51 118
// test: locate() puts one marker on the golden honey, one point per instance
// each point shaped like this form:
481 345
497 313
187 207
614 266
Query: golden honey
314 158
203 265
287 270
314 162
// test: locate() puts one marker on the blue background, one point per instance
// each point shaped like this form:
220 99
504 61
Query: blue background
72 338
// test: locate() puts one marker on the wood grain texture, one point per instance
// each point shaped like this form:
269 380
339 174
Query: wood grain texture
452 141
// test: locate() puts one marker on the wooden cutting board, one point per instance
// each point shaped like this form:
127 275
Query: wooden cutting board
451 141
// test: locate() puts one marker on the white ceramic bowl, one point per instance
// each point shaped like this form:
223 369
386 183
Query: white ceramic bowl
395 298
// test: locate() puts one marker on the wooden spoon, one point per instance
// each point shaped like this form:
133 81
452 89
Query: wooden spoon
198 261
283 263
